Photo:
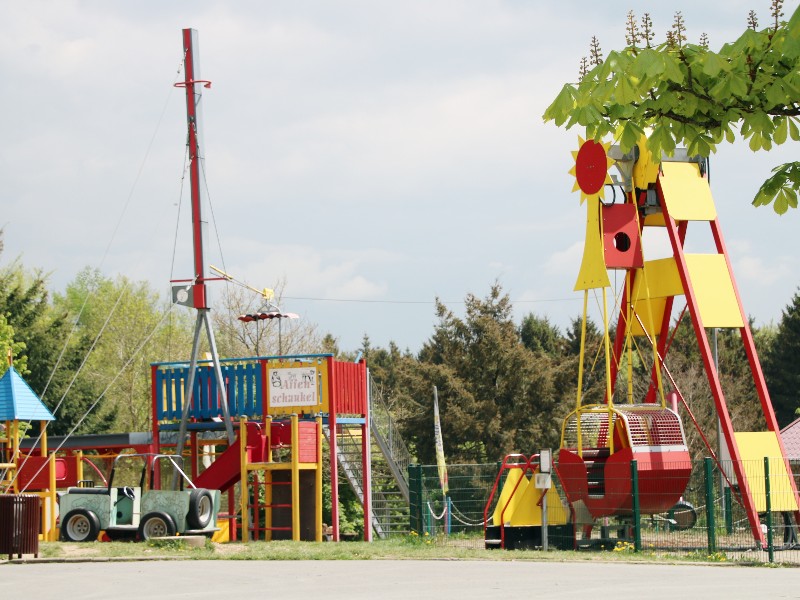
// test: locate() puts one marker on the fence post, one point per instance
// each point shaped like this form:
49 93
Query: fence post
711 524
770 541
728 511
415 498
637 521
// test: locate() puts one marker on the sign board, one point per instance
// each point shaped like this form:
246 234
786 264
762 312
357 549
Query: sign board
293 387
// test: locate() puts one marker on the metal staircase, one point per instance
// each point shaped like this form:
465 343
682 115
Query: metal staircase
389 458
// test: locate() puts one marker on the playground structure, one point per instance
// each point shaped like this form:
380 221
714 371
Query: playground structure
266 416
633 436
528 504
601 439
284 407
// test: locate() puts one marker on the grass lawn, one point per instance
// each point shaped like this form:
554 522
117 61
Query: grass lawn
409 547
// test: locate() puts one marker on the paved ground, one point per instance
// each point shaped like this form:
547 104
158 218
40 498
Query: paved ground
384 579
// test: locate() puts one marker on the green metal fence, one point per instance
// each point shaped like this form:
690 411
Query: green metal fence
709 521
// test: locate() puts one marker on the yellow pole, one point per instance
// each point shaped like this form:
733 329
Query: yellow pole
51 498
628 335
580 369
15 454
607 344
243 475
268 478
318 482
295 486
79 466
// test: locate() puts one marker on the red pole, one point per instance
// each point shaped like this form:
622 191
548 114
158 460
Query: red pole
194 96
332 407
711 371
155 443
366 449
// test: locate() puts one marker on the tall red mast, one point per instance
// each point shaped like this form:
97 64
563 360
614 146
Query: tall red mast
194 114
194 97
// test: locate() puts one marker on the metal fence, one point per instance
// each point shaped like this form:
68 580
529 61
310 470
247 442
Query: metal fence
707 519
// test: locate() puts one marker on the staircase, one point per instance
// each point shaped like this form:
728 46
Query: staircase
389 458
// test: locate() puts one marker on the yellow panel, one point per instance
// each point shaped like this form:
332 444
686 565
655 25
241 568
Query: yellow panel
529 512
654 220
514 475
686 193
593 272
647 309
658 279
753 447
713 290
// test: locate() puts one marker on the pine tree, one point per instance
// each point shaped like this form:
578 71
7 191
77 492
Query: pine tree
781 362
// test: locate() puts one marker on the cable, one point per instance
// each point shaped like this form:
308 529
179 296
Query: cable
114 233
80 368
102 395
428 302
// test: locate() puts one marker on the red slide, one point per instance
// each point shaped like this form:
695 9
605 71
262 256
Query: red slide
226 470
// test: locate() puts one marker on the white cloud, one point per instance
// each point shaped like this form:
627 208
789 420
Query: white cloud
363 149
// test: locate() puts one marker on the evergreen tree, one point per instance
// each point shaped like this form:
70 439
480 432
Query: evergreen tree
780 364
540 336
495 395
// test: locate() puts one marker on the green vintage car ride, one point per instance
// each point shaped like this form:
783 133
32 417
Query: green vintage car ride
139 511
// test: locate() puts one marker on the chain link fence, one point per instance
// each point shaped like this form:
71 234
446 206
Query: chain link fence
705 519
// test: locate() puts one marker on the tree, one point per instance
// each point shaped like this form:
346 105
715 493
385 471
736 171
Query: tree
539 335
236 338
495 395
780 365
9 347
41 338
690 95
122 323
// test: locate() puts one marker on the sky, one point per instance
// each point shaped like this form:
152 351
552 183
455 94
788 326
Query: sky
370 156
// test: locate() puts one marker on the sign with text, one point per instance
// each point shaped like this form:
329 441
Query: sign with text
292 387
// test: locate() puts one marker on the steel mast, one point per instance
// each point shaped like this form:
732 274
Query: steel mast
194 105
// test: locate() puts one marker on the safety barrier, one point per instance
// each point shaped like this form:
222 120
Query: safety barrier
707 523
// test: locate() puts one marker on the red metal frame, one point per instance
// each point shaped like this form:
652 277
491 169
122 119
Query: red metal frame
708 363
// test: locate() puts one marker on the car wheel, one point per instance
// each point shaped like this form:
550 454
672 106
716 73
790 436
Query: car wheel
156 525
80 525
201 509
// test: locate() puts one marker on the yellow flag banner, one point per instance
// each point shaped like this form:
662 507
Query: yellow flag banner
437 432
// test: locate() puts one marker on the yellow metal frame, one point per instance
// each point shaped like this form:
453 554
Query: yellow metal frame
268 467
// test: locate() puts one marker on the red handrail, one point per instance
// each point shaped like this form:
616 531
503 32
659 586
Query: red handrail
525 466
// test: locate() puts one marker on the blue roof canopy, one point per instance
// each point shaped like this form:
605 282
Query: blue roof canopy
18 402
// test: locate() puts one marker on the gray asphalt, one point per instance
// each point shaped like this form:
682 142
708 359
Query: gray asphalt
387 579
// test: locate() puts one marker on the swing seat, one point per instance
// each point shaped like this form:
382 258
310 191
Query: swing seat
598 470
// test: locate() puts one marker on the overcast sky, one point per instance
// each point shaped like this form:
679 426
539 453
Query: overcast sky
375 155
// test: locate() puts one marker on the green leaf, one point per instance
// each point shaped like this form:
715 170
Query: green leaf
781 130
794 132
755 142
562 106
629 135
793 26
781 189
649 63
776 95
624 91
738 84
672 68
712 64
